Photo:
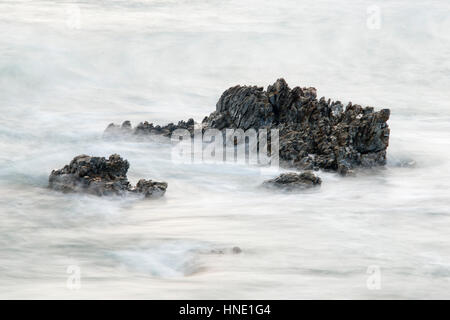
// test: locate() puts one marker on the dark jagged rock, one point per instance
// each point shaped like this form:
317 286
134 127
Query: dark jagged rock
313 133
100 176
294 181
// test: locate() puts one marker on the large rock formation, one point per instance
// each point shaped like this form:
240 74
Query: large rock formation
100 176
294 181
314 133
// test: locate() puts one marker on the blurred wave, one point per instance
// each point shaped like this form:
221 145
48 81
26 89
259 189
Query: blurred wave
69 68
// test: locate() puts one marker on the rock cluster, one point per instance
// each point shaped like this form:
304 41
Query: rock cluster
100 176
294 181
145 128
313 133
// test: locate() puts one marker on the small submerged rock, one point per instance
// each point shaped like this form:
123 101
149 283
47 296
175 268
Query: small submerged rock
101 176
234 250
150 188
294 181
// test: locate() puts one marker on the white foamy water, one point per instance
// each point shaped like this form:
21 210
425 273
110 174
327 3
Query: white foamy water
68 69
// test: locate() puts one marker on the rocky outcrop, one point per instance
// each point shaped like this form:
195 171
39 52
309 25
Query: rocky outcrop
146 128
294 181
313 133
100 176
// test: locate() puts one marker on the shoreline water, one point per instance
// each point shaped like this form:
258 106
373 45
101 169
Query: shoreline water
163 62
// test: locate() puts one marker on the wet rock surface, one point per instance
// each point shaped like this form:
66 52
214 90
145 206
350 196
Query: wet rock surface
294 181
101 176
313 133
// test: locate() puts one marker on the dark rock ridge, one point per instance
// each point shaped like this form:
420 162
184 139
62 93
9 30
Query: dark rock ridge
314 133
294 181
100 176
145 128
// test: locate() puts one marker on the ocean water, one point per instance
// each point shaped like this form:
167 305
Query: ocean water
69 68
